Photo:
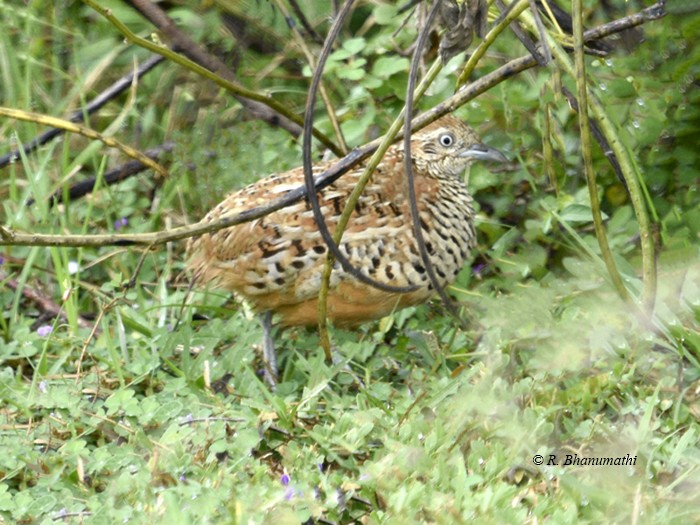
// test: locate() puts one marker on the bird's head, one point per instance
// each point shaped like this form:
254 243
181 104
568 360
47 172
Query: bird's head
447 146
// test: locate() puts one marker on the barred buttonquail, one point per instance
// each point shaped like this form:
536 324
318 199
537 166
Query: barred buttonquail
276 262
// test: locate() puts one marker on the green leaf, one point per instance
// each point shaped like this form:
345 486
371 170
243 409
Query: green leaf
385 13
386 66
354 45
578 213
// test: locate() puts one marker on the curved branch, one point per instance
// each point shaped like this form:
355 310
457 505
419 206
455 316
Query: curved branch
86 132
308 172
242 94
586 148
408 164
467 93
100 100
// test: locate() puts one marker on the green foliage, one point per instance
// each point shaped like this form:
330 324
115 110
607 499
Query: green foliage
128 407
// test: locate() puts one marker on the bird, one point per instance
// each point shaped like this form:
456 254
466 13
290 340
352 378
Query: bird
276 262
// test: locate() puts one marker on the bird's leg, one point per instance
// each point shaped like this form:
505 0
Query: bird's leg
269 355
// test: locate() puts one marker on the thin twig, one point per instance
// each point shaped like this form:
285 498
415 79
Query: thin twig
182 42
96 103
214 70
333 247
496 30
546 52
44 303
86 132
464 95
598 136
109 178
629 171
394 132
519 33
305 22
312 65
408 165
586 146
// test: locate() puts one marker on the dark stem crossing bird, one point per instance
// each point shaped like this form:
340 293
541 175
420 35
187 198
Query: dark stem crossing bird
276 262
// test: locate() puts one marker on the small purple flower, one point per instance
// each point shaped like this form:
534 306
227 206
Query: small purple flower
478 268
120 223
2 260
289 493
44 330
42 387
182 477
285 479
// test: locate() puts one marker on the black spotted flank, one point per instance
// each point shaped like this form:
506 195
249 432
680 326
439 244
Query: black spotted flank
320 249
337 206
389 274
301 251
267 251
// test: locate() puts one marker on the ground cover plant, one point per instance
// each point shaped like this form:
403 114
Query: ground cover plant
126 396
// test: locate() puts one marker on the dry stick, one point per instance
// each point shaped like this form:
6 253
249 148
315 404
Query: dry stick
113 176
598 136
307 162
377 156
86 132
393 132
410 179
629 172
182 42
96 103
489 39
262 106
93 333
464 95
546 52
585 132
305 22
43 303
324 93
519 33
333 248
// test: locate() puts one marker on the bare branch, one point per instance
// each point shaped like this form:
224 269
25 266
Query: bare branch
408 164
308 172
96 103
113 176
464 95
85 132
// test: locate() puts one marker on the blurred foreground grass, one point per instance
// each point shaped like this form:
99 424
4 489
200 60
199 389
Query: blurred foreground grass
156 418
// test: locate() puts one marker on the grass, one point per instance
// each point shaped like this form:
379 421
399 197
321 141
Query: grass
129 406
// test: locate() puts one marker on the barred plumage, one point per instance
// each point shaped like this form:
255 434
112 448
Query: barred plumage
276 262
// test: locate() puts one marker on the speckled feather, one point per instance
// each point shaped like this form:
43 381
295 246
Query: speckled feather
276 262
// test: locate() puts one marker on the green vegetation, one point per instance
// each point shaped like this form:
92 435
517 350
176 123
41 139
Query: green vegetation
121 403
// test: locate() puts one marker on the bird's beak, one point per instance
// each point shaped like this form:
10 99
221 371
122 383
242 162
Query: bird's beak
483 152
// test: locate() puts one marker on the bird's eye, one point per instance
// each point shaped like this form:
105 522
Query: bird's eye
446 140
